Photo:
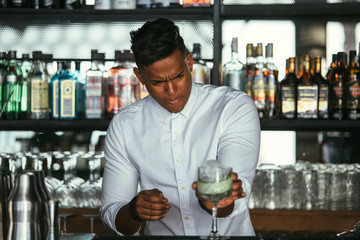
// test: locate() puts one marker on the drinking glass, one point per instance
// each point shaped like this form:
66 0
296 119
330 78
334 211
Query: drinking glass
214 184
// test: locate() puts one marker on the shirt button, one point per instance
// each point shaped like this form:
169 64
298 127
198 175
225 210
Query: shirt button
187 218
177 160
176 133
182 188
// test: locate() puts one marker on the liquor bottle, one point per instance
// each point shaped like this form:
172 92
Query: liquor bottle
299 66
25 70
288 93
233 71
323 104
143 4
338 78
352 89
2 76
307 93
94 100
81 90
114 99
272 73
54 91
129 85
68 94
39 89
165 4
249 68
196 3
200 72
259 82
105 79
13 80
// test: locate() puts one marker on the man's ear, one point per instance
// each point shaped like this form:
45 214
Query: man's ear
190 61
138 74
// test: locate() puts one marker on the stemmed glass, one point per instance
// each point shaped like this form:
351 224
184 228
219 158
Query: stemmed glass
214 184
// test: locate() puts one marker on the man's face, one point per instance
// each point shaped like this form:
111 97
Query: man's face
168 81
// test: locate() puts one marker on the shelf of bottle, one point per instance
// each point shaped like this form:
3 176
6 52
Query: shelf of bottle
92 15
102 125
321 10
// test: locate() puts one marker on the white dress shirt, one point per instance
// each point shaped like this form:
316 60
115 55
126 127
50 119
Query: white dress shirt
145 143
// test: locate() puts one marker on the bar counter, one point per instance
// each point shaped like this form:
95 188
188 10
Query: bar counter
268 237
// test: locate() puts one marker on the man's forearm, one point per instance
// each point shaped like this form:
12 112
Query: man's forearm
125 224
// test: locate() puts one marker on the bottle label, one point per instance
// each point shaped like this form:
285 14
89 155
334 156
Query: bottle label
94 101
39 96
11 78
68 99
233 80
337 94
352 98
55 99
307 101
288 102
127 91
198 74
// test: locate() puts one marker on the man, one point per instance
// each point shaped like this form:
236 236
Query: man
161 140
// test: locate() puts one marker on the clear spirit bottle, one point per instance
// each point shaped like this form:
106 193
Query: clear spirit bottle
114 100
94 101
233 71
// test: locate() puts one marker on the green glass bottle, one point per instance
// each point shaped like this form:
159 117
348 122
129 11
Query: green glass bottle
2 75
12 83
25 70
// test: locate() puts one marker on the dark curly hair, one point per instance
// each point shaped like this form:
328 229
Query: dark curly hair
156 40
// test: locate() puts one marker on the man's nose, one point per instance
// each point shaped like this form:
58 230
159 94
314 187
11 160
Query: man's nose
170 88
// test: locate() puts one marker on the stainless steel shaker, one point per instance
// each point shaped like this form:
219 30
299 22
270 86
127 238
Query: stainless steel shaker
24 208
6 184
53 209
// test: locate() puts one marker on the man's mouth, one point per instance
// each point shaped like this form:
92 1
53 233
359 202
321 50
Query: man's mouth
174 101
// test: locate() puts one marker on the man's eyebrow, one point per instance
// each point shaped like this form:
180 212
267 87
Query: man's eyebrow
177 75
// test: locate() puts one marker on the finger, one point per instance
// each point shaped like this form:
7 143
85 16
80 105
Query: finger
234 176
194 185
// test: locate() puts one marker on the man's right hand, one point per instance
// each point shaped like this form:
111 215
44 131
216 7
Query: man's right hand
151 205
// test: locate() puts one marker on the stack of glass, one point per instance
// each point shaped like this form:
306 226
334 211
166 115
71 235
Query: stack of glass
306 186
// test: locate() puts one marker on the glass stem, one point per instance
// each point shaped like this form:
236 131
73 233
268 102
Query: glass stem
214 221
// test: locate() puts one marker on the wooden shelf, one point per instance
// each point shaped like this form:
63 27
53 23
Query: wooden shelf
303 221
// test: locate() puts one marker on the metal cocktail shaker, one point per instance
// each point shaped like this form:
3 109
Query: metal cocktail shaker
6 184
24 208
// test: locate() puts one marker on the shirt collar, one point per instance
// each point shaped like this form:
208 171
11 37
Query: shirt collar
165 114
